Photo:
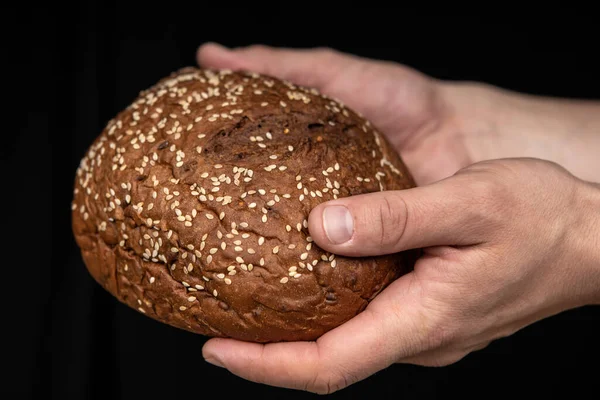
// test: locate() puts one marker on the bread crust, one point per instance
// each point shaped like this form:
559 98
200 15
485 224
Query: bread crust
192 204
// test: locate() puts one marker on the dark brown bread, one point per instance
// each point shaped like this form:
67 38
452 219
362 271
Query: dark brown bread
192 206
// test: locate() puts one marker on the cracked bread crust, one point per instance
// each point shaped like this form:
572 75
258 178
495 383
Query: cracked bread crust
192 205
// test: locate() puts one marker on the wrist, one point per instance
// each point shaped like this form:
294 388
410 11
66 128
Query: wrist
498 123
585 242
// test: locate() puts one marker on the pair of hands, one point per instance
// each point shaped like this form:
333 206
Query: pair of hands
506 242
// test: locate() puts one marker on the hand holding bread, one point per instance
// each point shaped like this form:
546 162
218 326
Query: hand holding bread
506 242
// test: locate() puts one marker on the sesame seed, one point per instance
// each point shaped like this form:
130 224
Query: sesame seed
303 256
209 259
262 262
199 287
152 279
261 240
213 250
182 308
284 279
228 281
333 263
210 216
220 276
215 293
251 205
240 260
275 249
264 218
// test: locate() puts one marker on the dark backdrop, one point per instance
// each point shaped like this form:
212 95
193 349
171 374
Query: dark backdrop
72 67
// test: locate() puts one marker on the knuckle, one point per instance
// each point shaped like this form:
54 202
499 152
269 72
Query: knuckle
444 334
327 382
326 53
392 219
493 195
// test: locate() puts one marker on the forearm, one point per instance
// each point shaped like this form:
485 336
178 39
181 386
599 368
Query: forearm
518 125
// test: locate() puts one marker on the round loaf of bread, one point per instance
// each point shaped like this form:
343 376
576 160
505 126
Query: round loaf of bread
192 205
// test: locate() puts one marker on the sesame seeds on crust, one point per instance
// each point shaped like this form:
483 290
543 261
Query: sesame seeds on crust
208 178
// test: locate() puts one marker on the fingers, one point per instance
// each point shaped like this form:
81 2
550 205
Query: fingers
294 65
447 213
371 341
393 97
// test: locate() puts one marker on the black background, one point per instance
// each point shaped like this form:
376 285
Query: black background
72 67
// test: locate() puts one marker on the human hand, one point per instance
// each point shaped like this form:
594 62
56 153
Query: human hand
404 104
438 127
506 243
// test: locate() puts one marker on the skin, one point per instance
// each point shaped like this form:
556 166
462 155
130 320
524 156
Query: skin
507 213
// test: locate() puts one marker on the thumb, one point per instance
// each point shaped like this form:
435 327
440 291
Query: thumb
448 212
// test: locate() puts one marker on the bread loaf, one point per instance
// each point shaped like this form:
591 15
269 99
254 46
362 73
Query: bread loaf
192 205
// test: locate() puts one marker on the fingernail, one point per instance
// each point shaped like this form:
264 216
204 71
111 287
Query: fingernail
214 361
338 224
